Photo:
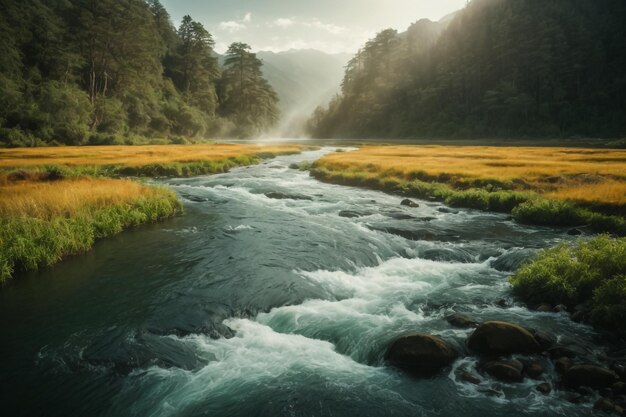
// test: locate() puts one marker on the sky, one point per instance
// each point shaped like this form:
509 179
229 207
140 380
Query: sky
333 26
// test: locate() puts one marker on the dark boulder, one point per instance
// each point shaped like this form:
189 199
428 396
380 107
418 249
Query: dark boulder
561 308
604 405
544 339
574 232
421 354
469 377
409 203
350 214
504 371
501 338
461 320
544 388
561 352
589 376
544 308
277 195
561 365
534 370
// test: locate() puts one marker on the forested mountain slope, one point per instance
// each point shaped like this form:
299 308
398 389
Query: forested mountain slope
501 68
109 71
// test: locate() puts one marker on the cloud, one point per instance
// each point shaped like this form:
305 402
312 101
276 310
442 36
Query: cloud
283 22
232 26
247 17
327 27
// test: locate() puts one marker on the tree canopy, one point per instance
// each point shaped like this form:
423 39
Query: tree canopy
110 71
500 68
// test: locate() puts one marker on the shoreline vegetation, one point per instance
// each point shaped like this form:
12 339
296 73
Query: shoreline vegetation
541 186
586 279
56 202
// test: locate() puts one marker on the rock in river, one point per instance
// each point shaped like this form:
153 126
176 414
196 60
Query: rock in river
501 338
461 320
505 371
421 354
409 203
589 376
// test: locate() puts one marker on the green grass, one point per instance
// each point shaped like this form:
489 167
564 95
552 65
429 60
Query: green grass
591 273
28 243
527 207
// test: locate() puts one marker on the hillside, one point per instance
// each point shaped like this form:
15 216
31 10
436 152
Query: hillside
498 69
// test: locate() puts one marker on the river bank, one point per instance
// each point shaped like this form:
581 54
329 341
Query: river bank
56 202
541 186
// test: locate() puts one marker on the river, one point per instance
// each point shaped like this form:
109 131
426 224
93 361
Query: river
256 306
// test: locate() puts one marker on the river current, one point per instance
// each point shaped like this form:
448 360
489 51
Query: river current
274 295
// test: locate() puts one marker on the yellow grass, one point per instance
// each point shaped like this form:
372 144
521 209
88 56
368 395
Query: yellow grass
588 175
133 155
66 198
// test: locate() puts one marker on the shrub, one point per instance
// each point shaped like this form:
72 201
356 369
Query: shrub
587 272
546 212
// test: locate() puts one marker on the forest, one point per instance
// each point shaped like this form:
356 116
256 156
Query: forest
498 68
97 72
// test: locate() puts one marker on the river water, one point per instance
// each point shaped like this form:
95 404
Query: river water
258 306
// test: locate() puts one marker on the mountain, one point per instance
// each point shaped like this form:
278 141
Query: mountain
497 68
303 79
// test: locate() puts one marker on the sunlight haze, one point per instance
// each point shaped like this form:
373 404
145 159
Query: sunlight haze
330 26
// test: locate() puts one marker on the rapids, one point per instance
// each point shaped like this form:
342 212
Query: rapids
258 306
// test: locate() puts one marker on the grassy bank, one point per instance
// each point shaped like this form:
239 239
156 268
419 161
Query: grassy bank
55 202
543 186
588 277
41 222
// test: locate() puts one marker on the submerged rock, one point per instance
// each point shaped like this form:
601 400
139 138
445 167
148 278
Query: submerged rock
544 339
409 203
561 365
469 377
421 354
589 376
351 214
604 405
544 308
504 371
502 338
461 320
534 370
544 388
277 195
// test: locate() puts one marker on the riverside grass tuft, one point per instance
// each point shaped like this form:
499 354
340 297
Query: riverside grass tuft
540 186
590 273
56 202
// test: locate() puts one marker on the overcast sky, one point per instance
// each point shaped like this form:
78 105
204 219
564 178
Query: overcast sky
329 25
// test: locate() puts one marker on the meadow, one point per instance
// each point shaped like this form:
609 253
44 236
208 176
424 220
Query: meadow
56 202
539 185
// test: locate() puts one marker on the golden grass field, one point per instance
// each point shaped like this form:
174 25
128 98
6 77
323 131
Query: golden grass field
66 198
133 155
31 195
582 175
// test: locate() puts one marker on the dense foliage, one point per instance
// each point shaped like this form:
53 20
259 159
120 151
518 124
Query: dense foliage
500 68
590 272
111 71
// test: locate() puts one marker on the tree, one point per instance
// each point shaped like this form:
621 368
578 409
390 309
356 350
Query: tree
246 96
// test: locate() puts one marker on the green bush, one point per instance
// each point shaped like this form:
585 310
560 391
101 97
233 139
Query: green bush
590 271
546 212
